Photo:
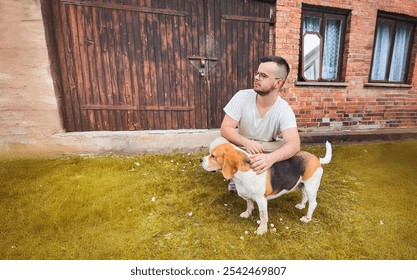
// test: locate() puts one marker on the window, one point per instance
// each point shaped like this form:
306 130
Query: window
328 27
392 49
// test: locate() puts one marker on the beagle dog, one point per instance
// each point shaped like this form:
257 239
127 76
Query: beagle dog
302 171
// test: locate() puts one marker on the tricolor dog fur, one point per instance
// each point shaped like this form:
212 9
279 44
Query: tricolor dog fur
302 171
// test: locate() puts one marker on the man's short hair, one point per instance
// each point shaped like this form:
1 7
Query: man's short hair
282 64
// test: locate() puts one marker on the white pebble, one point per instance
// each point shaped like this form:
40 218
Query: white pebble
190 214
272 225
381 222
153 199
259 222
242 238
246 232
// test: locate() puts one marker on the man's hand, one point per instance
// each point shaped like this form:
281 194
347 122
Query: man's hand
253 147
261 162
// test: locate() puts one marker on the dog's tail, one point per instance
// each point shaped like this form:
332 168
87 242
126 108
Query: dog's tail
328 157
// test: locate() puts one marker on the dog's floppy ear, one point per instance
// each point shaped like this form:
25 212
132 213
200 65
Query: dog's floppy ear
243 157
229 166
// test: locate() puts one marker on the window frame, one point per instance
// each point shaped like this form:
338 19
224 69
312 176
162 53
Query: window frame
394 21
324 14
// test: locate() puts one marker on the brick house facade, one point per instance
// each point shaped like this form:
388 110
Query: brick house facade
356 104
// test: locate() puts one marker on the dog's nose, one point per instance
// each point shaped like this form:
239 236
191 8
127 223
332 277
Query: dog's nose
201 160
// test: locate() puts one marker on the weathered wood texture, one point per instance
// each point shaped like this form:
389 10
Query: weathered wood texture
167 64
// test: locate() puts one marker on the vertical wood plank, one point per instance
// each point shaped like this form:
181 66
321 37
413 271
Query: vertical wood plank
69 118
144 79
175 58
118 55
95 66
152 88
106 42
201 35
186 97
72 54
78 68
127 64
163 74
83 72
133 62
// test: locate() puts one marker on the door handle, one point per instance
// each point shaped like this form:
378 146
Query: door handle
202 64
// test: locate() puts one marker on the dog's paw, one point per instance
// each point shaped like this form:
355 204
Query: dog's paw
300 206
261 230
305 219
245 215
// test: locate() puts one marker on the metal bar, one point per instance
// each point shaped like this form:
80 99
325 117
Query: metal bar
196 57
108 107
165 108
244 18
136 108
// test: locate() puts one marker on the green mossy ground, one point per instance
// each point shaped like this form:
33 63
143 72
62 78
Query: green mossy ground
168 207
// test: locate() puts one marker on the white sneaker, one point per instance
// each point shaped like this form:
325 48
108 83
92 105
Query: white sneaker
232 187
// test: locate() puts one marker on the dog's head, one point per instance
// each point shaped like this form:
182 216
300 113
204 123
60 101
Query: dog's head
226 159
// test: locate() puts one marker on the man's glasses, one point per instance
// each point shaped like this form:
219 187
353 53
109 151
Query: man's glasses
261 76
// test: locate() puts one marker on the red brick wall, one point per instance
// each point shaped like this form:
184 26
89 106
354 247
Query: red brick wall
354 106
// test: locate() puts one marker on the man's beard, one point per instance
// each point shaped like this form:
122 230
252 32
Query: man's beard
262 92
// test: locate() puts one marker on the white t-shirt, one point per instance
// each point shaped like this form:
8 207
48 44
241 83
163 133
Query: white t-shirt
267 128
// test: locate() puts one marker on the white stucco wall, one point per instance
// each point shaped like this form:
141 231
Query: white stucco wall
28 107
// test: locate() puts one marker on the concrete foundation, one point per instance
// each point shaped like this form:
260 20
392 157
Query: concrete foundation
184 141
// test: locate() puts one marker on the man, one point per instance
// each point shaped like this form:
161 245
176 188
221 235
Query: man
267 127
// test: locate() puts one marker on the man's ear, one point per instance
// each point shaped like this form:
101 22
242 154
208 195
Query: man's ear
229 167
279 84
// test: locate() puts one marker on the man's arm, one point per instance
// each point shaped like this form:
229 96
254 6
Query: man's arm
228 131
261 162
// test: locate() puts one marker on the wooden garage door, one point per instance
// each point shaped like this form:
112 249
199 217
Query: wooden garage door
141 64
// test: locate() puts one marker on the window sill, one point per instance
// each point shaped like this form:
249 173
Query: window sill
386 85
321 84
